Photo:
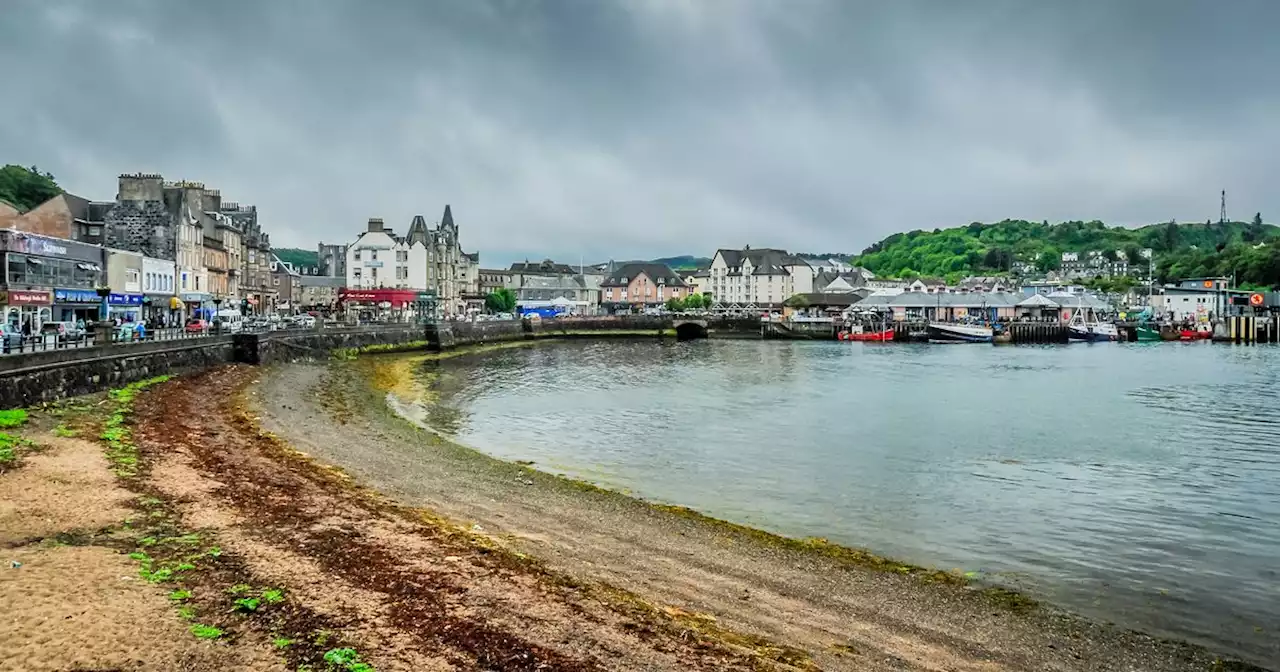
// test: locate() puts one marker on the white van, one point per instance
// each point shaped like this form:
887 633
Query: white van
228 320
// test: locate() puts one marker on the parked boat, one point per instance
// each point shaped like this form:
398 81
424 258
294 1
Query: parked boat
857 333
946 332
1085 326
1147 333
1197 334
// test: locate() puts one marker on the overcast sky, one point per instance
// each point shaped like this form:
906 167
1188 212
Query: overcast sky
646 128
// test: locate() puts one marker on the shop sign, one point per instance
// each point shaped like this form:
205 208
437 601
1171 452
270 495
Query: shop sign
27 297
76 296
53 247
125 299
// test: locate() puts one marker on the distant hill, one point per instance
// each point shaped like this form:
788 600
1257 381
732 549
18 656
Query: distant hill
986 248
684 262
297 257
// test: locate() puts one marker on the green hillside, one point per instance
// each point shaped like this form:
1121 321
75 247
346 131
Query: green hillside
26 187
1180 249
297 257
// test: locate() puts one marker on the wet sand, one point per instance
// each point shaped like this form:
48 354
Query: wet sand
819 606
198 537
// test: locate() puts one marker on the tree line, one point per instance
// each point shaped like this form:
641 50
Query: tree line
989 249
27 187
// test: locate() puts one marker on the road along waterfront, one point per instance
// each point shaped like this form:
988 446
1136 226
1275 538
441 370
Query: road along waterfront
1136 484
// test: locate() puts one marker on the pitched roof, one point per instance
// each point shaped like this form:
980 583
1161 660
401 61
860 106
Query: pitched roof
417 231
842 299
767 257
658 273
945 300
1037 301
551 282
546 266
447 219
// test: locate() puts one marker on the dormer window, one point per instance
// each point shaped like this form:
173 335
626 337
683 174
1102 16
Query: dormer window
624 280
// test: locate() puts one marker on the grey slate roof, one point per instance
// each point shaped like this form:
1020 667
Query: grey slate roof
551 282
545 266
658 274
841 299
945 300
876 301
765 261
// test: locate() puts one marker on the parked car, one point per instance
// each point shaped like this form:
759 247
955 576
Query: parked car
65 331
12 338
197 326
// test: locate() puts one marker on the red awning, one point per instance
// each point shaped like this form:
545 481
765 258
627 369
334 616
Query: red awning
398 298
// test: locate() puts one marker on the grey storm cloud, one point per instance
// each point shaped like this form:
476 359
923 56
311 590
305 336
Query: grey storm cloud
641 128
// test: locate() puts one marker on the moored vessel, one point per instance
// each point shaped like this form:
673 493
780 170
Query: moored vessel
946 332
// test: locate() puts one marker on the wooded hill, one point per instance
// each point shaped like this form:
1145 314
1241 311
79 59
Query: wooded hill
1181 250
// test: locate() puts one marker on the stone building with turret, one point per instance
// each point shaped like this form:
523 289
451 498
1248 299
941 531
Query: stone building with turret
219 249
424 258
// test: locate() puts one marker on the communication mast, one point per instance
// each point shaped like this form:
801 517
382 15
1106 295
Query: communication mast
1222 215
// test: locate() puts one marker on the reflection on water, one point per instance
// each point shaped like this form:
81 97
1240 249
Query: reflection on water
1135 483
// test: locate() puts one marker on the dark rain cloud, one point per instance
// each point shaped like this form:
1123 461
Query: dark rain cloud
649 127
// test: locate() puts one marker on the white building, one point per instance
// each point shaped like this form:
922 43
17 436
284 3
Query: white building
424 259
380 259
763 278
159 288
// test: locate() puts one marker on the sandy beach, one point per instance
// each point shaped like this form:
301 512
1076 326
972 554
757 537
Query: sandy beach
287 518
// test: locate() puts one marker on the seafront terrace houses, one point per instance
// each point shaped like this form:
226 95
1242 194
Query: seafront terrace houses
751 279
641 285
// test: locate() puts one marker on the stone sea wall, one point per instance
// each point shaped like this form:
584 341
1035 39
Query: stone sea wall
38 377
30 379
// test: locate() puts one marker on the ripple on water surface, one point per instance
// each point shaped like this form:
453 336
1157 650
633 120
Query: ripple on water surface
1136 484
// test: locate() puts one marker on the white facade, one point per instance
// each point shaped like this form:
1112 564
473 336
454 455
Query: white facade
378 259
757 277
159 277
1184 305
424 259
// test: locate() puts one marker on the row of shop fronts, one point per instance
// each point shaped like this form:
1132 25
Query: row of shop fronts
52 279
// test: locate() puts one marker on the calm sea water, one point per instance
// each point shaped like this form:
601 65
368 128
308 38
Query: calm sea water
1135 483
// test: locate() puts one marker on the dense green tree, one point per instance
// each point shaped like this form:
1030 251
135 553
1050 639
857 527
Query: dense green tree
696 301
675 304
984 249
500 301
1134 254
26 187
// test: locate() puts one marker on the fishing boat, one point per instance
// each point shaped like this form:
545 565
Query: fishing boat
1200 333
858 333
1080 328
1146 333
946 332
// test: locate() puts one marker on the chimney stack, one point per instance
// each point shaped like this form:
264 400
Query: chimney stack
375 225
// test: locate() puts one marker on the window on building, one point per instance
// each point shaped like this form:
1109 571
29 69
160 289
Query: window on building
357 255
373 255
